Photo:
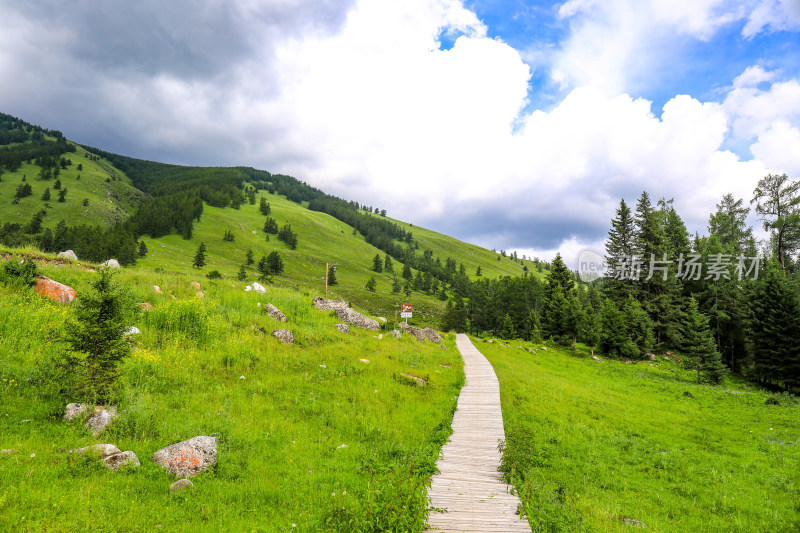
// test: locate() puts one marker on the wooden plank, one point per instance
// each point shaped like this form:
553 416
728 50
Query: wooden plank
468 488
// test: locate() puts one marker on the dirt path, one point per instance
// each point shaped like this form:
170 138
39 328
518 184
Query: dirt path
469 487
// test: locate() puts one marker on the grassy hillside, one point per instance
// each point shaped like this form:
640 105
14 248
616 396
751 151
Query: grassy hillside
310 438
111 197
591 443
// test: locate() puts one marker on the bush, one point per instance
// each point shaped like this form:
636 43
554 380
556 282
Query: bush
214 274
21 273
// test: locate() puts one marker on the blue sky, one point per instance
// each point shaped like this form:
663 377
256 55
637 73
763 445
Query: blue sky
512 124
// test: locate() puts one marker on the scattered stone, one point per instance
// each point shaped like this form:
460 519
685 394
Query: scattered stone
254 232
329 305
627 361
365 361
323 366
7 451
688 394
101 420
544 348
181 484
58 292
69 254
382 319
490 341
126 458
631 521
259 288
248 288
74 410
421 334
100 450
344 328
355 318
275 313
417 380
258 330
341 446
380 336
133 330
157 289
111 263
594 357
200 294
189 457
397 334
146 306
652 356
197 286
284 334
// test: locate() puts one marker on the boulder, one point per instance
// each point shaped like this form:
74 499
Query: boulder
344 328
380 336
126 458
111 263
259 288
197 286
329 305
248 288
421 334
285 335
275 313
356 319
157 289
133 330
75 410
181 484
101 420
365 361
100 450
397 334
146 306
58 292
189 457
69 254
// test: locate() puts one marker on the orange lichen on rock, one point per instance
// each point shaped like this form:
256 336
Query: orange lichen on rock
54 290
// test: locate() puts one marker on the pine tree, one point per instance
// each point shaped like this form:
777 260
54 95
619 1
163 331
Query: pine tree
265 207
777 200
274 263
407 274
332 276
249 257
57 185
142 249
449 318
508 331
242 274
478 272
46 195
614 339
62 195
270 226
407 289
96 339
396 286
371 284
619 248
699 348
377 263
388 266
200 256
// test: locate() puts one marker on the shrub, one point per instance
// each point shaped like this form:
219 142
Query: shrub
22 273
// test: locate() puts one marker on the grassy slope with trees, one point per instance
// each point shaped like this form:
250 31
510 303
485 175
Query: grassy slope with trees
210 367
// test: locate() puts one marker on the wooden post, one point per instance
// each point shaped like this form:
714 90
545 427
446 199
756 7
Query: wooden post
326 281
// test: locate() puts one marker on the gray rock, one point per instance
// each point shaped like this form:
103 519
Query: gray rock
356 319
101 420
111 263
100 450
69 254
275 313
544 348
632 521
382 319
259 288
181 484
414 379
133 330
285 335
126 458
397 334
329 305
189 457
380 336
344 328
421 334
75 410
597 359
490 341
7 451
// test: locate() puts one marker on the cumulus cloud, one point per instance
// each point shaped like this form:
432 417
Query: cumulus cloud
361 100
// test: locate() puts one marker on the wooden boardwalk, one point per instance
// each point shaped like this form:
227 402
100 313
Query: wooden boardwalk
468 485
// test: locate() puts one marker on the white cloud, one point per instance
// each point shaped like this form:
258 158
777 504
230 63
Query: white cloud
754 110
752 77
773 15
779 149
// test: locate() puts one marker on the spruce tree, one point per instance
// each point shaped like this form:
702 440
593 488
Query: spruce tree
332 276
142 249
274 263
46 194
371 284
96 339
508 331
265 207
200 256
388 266
620 247
242 274
407 274
377 263
478 272
396 288
699 349
249 257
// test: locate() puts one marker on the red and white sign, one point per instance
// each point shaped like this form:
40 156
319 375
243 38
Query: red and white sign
405 311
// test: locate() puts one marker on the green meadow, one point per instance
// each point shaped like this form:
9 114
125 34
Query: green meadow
593 446
310 438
